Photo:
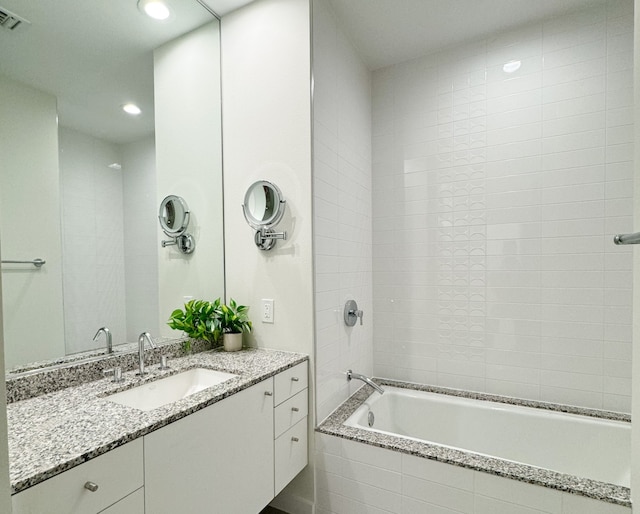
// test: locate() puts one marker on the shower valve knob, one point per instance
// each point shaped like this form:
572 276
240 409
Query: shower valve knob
352 313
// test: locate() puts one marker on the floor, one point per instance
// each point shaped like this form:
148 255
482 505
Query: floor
271 510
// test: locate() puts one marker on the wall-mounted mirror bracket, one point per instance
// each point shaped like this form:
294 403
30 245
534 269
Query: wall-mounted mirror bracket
185 243
265 238
263 208
174 218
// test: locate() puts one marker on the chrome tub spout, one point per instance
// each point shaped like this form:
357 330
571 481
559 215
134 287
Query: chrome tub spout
351 375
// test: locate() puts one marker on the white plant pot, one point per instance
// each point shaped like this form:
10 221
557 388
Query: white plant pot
232 342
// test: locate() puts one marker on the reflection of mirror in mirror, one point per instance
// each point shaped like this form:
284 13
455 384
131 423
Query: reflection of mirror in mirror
78 181
174 220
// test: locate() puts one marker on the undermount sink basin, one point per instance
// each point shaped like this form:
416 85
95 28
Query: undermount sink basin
150 396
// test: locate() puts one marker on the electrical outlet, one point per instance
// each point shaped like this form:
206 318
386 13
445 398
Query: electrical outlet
267 310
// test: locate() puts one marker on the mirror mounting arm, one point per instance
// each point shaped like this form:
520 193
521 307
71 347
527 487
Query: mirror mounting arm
265 238
185 243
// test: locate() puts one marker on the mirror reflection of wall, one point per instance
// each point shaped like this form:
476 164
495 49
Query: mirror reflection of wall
110 264
79 186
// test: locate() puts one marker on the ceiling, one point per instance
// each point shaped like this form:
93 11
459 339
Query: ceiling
96 55
387 32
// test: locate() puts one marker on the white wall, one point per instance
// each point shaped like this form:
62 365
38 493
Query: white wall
635 411
140 240
266 102
495 200
29 149
92 240
189 164
267 135
5 485
342 208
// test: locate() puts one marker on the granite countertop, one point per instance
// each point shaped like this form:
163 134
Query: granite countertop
54 432
334 425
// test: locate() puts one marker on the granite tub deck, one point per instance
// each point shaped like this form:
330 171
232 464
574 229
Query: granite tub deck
54 432
334 425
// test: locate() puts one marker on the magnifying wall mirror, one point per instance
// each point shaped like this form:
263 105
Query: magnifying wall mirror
263 208
174 220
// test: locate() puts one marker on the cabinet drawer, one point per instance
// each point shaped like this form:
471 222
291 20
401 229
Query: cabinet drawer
289 382
116 473
132 504
290 454
289 412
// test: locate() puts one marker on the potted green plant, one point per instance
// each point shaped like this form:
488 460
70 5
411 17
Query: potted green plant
234 320
200 319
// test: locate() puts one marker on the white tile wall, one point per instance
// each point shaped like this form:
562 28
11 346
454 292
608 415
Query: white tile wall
141 246
92 242
342 209
353 477
495 198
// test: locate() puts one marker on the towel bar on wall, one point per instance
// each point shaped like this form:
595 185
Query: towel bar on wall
38 263
627 239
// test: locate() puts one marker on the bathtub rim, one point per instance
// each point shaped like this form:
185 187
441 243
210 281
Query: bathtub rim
611 493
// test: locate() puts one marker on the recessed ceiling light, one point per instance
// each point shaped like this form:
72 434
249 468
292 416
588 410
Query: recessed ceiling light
156 9
132 109
511 66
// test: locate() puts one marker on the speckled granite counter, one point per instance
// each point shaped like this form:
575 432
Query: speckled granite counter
54 432
334 425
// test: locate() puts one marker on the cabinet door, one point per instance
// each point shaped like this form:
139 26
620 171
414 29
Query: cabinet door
217 460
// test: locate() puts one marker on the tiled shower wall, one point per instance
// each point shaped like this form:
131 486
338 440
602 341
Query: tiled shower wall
140 233
342 209
496 196
92 244
109 239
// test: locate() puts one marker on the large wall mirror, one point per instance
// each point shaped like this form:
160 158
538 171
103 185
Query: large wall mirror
81 180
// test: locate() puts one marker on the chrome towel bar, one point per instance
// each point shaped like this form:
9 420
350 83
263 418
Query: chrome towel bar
38 263
627 239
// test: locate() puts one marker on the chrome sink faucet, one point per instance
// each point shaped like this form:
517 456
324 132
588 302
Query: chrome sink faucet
107 335
145 336
351 375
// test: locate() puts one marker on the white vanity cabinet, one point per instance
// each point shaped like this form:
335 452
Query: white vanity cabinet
232 457
117 474
217 460
290 424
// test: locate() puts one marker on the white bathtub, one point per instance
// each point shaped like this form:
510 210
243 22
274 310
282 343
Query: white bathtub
583 446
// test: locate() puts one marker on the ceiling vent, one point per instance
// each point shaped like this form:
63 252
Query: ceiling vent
10 21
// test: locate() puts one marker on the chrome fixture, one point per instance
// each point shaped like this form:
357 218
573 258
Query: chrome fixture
352 313
38 263
145 336
371 418
174 218
351 375
107 336
116 373
163 363
91 486
627 239
263 208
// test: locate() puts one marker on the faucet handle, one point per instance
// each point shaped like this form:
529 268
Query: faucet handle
352 313
116 372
